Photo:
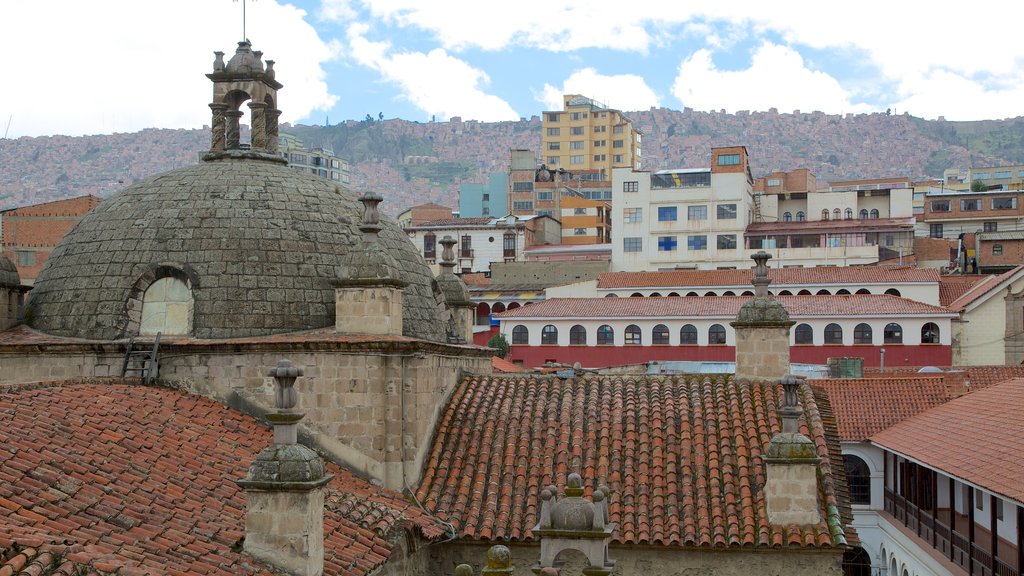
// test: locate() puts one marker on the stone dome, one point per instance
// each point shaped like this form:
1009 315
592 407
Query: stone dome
258 244
8 273
245 60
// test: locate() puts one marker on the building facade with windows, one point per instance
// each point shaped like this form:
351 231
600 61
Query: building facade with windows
483 241
947 214
28 234
603 332
490 199
683 218
586 134
319 161
585 221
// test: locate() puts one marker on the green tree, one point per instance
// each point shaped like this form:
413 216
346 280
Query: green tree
499 343
978 186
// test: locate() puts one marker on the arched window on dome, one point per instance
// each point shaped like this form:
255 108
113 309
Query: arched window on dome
167 307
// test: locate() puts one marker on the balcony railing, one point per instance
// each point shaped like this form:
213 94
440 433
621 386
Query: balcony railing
974 558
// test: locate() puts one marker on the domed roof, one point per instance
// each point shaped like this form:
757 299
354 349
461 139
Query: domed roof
259 243
245 60
8 272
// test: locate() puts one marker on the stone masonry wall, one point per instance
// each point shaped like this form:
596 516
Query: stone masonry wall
374 411
762 353
660 560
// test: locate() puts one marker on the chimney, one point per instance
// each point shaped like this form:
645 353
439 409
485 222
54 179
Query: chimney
762 330
458 305
284 516
791 489
368 295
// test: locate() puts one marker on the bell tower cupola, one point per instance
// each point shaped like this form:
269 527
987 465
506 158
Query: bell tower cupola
244 79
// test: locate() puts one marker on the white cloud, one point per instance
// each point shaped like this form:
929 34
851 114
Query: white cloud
435 82
131 65
776 78
951 95
621 92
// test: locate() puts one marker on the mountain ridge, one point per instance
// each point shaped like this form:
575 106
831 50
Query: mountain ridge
416 162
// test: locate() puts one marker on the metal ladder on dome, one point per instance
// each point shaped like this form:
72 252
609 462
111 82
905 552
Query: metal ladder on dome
141 362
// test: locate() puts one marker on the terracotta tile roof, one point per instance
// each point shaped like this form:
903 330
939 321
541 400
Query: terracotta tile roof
975 438
865 406
140 479
455 223
682 458
952 287
985 288
502 365
958 379
835 454
779 276
721 306
476 279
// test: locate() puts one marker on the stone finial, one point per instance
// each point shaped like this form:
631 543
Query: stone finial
218 61
761 280
463 570
271 73
499 561
789 411
577 523
448 253
284 375
370 226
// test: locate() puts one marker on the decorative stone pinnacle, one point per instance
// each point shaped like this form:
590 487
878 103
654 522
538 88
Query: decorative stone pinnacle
761 280
499 561
286 419
789 411
448 254
218 61
574 485
370 226
463 570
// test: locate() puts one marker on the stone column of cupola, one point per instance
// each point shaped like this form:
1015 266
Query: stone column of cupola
259 125
217 127
272 115
231 131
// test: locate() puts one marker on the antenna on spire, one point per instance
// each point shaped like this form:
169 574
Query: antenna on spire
244 37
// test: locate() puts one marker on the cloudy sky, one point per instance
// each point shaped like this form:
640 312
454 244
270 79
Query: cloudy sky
76 67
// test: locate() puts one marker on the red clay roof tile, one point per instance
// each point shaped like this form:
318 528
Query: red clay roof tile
865 406
722 306
682 457
956 437
124 477
778 276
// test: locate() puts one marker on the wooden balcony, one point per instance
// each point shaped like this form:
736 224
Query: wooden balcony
951 535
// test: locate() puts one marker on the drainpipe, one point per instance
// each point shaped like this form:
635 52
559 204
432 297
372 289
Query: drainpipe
881 359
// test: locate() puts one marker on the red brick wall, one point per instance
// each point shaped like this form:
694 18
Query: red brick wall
38 229
429 213
986 212
1013 253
